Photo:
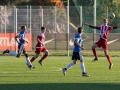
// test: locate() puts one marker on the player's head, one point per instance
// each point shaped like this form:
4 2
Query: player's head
105 21
43 29
23 27
80 29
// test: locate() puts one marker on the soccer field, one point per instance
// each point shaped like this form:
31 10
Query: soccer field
14 74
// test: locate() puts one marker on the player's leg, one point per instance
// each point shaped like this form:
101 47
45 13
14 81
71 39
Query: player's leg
105 48
94 52
34 57
70 65
46 53
108 58
82 66
10 52
37 51
27 59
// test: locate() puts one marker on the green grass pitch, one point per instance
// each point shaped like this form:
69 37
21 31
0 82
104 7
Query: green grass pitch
14 74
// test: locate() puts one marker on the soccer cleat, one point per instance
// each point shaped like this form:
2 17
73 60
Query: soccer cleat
31 67
95 59
40 62
85 75
6 51
110 66
64 71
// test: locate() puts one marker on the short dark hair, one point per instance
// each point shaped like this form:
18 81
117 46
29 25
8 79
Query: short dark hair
42 28
23 26
79 29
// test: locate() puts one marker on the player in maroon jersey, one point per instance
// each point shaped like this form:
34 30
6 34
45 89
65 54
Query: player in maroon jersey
104 30
40 47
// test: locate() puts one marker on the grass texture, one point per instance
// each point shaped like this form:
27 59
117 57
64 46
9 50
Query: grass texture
15 75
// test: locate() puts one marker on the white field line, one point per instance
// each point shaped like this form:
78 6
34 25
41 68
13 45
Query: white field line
56 69
5 72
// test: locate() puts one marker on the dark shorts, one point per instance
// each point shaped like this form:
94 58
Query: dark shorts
21 49
77 56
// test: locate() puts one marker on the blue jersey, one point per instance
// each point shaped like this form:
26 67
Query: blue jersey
76 47
20 35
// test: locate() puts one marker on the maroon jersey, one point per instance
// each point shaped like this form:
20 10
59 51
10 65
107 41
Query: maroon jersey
104 30
41 37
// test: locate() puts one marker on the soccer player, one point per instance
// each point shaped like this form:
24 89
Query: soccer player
102 42
77 53
40 47
21 40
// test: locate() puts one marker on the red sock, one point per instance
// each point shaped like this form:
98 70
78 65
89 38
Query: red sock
94 52
109 59
32 59
43 57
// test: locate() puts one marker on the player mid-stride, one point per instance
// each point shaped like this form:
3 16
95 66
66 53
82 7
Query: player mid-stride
40 47
77 54
104 30
21 40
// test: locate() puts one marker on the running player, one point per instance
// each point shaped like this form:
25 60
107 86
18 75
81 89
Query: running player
77 53
104 30
40 47
21 39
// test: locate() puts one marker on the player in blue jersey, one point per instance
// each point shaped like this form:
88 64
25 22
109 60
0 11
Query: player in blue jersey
21 40
77 53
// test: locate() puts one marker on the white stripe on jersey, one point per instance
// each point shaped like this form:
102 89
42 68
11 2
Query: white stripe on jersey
103 29
38 47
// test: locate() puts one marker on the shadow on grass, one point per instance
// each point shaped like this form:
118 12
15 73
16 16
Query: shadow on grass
61 86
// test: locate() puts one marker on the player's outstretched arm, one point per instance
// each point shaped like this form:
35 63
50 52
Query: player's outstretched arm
115 27
89 25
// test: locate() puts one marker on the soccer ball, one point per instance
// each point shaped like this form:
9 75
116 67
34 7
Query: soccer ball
111 16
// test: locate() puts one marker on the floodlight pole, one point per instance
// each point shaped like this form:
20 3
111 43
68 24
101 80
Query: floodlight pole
5 16
80 16
15 27
68 23
30 18
107 13
94 21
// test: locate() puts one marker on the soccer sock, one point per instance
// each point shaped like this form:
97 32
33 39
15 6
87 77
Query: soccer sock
28 61
94 52
12 53
43 57
32 59
82 66
70 65
109 59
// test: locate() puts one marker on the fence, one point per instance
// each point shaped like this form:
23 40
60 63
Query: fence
55 19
